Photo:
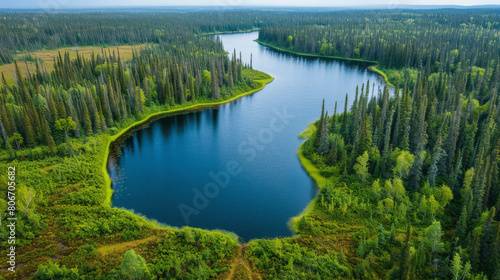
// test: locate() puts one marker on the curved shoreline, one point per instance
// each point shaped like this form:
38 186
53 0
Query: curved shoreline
312 171
309 167
229 32
110 139
372 67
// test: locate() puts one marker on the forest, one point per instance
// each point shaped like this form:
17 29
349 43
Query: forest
56 127
408 182
440 41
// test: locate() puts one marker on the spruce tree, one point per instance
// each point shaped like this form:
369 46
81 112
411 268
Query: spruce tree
214 83
323 144
461 228
48 136
343 129
87 124
319 127
333 124
29 133
341 257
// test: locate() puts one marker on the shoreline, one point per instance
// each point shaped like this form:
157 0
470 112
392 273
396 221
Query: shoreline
110 139
229 32
312 171
310 168
372 67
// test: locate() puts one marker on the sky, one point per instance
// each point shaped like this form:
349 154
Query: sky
65 4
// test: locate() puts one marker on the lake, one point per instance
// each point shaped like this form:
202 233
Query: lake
235 167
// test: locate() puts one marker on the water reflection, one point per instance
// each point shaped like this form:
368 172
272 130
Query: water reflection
161 167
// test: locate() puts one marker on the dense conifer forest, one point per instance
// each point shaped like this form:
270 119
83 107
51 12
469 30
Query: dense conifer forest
409 182
56 127
440 41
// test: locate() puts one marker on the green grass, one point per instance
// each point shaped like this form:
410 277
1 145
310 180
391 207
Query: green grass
308 132
374 68
312 170
292 222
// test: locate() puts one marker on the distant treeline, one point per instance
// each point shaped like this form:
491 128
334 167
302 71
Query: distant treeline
28 31
392 37
442 40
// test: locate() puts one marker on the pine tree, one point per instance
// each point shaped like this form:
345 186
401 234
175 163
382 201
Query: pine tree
404 129
343 129
487 240
332 154
240 69
48 136
494 258
451 142
333 124
386 150
479 185
74 116
461 229
382 240
87 124
319 128
323 144
29 133
438 153
18 78
214 83
230 78
365 142
341 257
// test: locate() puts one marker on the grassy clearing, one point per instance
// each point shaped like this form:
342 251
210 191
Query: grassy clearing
47 56
312 170
308 132
124 246
240 267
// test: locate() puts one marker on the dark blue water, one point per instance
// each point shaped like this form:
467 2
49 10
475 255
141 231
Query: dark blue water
235 167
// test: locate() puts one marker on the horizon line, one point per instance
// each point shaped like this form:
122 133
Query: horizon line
374 6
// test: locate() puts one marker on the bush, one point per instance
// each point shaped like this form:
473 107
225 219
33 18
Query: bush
62 149
316 159
129 235
327 171
53 271
285 256
113 130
